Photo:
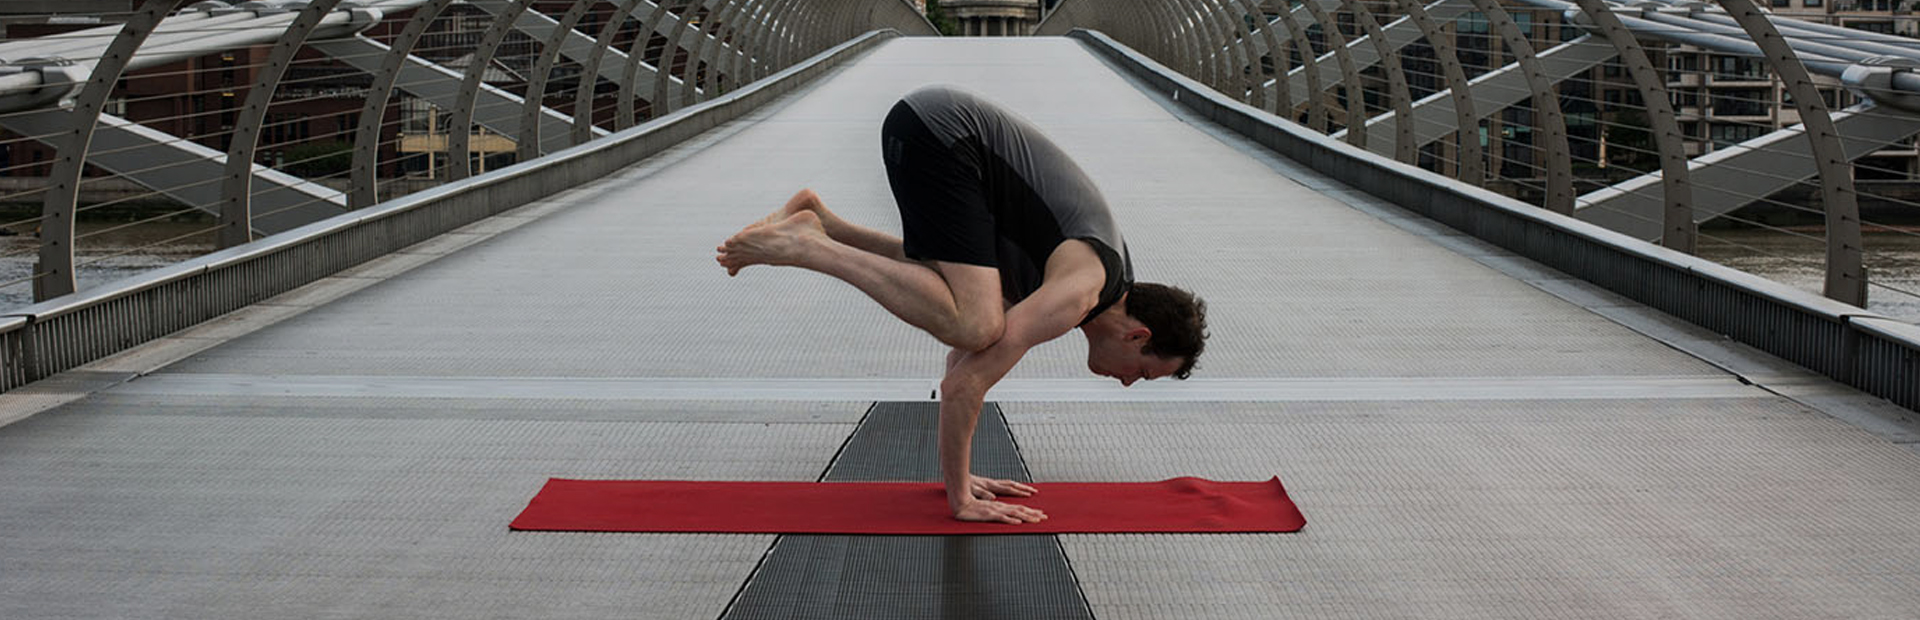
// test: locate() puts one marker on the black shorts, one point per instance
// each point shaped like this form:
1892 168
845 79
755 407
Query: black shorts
943 204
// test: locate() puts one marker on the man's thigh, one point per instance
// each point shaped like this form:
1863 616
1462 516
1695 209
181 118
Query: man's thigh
976 291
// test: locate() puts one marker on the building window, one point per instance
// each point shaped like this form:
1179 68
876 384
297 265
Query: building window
1738 68
1741 102
1735 133
1882 27
1474 22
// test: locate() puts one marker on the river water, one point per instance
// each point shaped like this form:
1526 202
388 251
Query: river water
1893 259
103 257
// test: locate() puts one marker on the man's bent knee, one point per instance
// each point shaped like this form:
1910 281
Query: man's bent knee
979 334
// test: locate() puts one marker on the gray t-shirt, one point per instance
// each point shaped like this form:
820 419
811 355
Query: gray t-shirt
1039 197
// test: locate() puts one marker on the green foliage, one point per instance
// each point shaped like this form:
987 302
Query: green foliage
941 19
318 159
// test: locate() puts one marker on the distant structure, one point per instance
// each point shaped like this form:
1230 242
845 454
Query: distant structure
994 18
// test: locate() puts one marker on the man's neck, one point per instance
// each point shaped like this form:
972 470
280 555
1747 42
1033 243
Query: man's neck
1112 321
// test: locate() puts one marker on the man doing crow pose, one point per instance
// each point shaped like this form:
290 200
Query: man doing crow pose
1006 244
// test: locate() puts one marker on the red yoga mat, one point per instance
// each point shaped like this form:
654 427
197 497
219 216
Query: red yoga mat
1177 505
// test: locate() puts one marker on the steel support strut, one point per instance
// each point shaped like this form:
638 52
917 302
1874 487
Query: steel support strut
1469 167
1677 218
366 137
1546 107
54 275
236 217
1401 97
527 144
1846 276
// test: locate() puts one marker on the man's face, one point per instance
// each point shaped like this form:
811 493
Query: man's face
1121 359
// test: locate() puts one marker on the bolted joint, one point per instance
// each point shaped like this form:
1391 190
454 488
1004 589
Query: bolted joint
1887 80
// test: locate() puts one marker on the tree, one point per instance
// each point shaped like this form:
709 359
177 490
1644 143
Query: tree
941 20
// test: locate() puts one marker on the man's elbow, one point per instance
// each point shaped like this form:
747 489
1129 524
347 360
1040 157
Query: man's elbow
976 337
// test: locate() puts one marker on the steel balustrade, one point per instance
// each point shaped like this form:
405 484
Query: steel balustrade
236 207
1400 97
1872 353
1843 341
1184 35
1546 103
63 183
1846 277
738 54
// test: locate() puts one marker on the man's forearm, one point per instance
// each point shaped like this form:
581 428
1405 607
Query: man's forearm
959 413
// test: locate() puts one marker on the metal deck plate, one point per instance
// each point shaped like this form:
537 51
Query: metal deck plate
834 577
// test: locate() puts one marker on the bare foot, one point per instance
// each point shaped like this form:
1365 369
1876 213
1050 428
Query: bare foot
803 200
778 243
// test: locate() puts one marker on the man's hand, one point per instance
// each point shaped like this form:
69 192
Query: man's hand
1001 512
990 488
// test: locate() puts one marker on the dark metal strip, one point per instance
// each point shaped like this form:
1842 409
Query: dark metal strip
834 577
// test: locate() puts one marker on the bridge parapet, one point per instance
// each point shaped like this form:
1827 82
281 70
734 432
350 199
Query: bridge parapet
1874 353
1649 119
714 60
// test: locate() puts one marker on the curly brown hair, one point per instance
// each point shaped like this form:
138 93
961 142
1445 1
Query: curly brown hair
1177 318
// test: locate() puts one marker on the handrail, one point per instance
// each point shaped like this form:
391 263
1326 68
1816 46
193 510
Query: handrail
63 333
1873 353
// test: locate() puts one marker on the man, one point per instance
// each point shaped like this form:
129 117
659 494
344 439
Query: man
1006 245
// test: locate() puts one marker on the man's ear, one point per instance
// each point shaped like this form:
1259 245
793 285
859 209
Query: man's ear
1139 333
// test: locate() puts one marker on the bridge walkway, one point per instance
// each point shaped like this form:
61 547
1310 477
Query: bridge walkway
1468 435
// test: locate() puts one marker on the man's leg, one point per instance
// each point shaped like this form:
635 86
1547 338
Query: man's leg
837 228
958 304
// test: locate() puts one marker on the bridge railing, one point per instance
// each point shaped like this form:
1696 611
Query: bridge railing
1354 111
646 77
1650 119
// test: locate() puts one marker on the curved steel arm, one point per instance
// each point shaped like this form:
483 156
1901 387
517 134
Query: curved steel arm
236 218
663 101
589 86
366 137
1405 150
1546 104
528 143
1469 168
1677 231
1846 276
729 19
1350 75
1310 60
717 12
627 115
54 277
1240 45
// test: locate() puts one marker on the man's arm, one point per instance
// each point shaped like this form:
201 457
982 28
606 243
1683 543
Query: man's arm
1049 313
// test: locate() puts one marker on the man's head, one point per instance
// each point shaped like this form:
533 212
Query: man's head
1159 331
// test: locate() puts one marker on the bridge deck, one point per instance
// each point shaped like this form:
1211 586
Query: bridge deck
1463 442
